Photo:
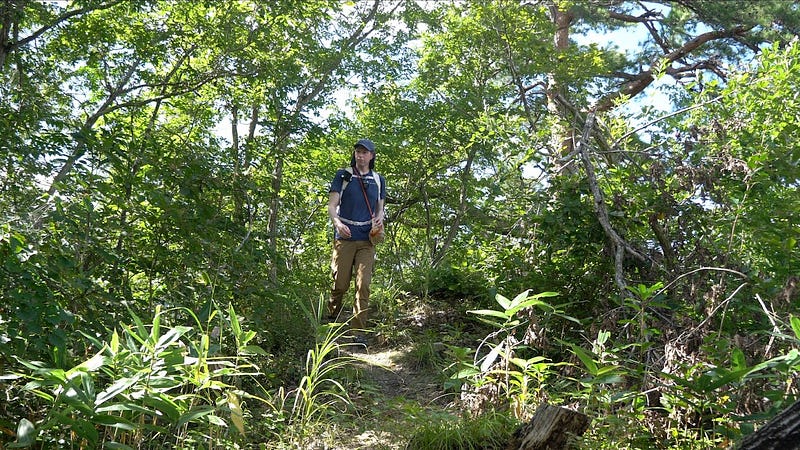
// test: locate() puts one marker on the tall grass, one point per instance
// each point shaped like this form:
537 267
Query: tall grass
319 393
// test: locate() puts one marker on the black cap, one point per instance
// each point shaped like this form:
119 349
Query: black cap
366 143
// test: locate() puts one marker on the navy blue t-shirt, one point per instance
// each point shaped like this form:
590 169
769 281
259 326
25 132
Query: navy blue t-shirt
353 206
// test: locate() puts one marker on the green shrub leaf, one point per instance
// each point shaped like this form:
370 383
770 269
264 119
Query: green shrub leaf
795 321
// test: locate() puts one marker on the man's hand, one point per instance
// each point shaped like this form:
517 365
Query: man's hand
342 229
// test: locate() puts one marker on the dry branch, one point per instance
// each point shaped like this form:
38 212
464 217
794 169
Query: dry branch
780 433
550 428
620 245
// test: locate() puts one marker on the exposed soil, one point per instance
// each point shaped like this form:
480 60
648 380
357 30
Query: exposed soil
398 387
393 378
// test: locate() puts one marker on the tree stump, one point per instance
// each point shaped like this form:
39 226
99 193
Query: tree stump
549 429
782 432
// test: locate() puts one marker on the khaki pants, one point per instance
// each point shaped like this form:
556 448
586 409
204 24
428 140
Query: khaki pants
349 258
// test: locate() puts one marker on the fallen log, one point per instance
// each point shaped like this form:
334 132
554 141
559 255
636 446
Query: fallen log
782 432
550 429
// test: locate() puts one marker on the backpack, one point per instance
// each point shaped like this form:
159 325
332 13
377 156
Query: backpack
346 181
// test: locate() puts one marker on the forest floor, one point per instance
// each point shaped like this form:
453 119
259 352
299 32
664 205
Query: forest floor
398 386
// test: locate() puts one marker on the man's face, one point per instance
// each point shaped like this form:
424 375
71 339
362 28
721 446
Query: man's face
363 155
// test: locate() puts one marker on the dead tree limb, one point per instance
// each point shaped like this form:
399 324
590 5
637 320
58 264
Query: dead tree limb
619 244
551 428
782 432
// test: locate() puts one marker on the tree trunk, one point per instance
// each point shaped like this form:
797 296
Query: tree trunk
463 198
275 204
782 432
561 136
550 429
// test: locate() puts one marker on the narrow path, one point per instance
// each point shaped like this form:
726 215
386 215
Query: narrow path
399 385
393 400
394 378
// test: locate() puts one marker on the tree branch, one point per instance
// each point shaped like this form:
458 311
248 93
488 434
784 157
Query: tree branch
640 81
8 48
620 245
80 147
109 106
648 16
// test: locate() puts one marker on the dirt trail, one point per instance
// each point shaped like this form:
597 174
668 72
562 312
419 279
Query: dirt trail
397 388
392 391
385 368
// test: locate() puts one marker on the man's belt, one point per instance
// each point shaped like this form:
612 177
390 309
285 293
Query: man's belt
353 222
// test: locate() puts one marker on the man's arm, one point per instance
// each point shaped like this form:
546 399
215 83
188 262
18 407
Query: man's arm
379 211
333 206
381 203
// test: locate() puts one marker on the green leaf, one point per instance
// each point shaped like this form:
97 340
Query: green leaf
725 378
121 407
114 422
171 337
84 429
521 297
490 312
607 375
90 365
26 434
526 304
503 301
194 414
519 362
738 361
491 357
237 416
155 330
608 378
117 387
253 350
114 344
602 337
235 326
570 318
206 312
586 359
525 363
163 404
466 373
246 337
141 333
546 294
795 321
216 420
